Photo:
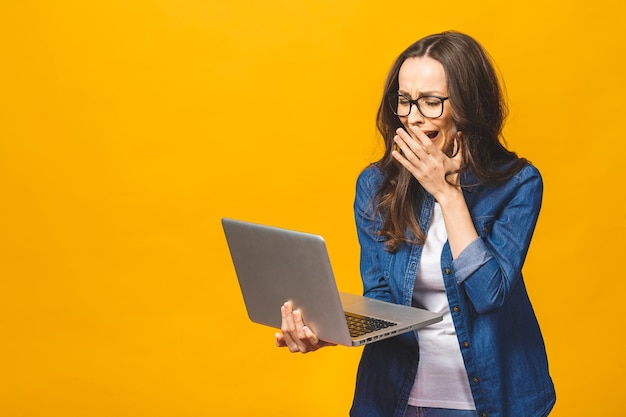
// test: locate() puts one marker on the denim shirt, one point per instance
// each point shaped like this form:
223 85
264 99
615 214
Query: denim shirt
499 337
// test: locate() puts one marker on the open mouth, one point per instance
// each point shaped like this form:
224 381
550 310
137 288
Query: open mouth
432 134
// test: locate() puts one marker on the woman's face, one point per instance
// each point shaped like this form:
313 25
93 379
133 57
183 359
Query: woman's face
424 76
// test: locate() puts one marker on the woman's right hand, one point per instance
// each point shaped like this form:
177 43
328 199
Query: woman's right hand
295 335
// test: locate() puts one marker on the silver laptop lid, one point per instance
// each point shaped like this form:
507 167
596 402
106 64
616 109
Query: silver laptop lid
275 265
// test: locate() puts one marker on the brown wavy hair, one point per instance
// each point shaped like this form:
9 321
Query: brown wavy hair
478 110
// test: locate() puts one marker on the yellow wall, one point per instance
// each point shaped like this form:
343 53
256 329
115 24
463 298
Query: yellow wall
128 128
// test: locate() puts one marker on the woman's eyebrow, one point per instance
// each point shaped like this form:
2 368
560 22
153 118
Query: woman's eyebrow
421 93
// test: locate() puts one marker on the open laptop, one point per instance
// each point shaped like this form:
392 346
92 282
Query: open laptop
275 265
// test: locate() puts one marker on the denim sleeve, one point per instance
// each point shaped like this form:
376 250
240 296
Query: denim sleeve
475 255
491 266
375 285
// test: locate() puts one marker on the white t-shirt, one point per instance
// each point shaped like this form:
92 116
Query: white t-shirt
441 376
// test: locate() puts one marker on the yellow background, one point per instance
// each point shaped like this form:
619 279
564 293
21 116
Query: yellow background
129 128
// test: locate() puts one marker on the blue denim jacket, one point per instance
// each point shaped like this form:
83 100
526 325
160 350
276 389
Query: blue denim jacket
498 333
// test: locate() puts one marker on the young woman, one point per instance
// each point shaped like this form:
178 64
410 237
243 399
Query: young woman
444 220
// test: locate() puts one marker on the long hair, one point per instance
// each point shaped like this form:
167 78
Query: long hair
478 110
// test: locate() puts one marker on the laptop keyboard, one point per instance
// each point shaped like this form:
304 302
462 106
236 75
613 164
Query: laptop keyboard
360 325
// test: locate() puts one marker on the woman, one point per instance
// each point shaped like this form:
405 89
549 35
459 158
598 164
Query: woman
444 220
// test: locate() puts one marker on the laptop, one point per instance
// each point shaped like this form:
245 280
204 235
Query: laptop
275 265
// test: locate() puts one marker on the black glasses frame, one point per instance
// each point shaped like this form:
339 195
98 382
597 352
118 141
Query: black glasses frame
392 100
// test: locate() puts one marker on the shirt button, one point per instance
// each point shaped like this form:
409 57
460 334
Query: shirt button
475 379
483 414
466 344
456 309
447 271
379 232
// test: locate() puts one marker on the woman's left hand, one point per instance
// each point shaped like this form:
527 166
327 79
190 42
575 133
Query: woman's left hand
428 164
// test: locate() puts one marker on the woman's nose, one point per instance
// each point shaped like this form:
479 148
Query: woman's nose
414 115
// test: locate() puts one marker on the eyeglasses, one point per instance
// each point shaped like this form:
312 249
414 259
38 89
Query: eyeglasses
430 107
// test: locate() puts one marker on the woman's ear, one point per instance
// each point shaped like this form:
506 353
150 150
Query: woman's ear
457 146
457 143
454 147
